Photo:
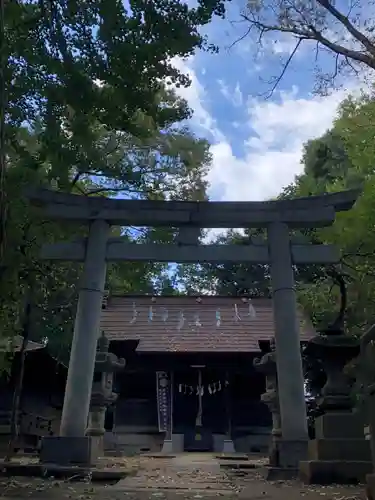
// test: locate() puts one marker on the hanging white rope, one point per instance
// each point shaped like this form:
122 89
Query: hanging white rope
200 390
150 313
237 316
218 318
197 321
135 314
252 313
164 314
181 320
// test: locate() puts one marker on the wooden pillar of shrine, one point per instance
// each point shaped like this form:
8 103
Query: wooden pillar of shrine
228 446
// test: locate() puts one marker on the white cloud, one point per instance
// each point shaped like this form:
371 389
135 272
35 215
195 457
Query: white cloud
234 96
273 150
273 154
195 96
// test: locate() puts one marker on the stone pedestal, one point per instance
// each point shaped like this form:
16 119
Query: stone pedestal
291 452
96 428
68 451
339 453
370 486
173 445
167 446
228 446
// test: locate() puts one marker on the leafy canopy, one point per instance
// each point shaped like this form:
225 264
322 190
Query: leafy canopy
88 110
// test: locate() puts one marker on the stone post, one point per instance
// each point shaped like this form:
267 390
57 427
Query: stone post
267 365
72 446
293 447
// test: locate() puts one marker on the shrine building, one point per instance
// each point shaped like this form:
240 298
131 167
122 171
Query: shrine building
189 375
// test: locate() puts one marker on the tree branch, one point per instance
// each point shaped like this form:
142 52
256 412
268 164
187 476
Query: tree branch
76 179
356 55
311 33
344 20
286 66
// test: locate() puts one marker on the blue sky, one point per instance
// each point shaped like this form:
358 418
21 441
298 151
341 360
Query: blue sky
256 142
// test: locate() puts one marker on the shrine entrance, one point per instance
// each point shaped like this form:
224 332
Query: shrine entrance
279 249
199 406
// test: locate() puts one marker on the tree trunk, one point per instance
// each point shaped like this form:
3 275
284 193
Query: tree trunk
14 430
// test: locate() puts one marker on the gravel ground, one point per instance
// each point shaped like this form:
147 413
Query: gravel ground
252 489
167 480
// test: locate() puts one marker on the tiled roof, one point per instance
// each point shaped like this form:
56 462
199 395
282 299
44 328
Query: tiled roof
183 324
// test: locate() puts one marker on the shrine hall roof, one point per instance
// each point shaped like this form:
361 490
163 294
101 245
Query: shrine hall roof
192 324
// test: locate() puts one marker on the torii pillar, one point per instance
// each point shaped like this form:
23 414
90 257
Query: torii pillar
294 438
73 446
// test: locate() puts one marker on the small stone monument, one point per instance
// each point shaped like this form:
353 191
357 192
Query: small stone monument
267 365
106 364
339 453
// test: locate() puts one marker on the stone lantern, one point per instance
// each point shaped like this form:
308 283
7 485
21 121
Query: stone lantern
102 395
339 453
267 366
334 349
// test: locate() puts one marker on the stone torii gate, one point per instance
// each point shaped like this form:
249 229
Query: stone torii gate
278 217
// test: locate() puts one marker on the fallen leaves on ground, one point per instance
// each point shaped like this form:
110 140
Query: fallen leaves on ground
174 480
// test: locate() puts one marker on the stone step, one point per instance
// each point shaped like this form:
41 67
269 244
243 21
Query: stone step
232 456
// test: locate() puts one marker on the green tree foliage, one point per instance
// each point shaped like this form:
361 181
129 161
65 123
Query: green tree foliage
233 279
74 62
88 110
82 73
170 165
345 163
